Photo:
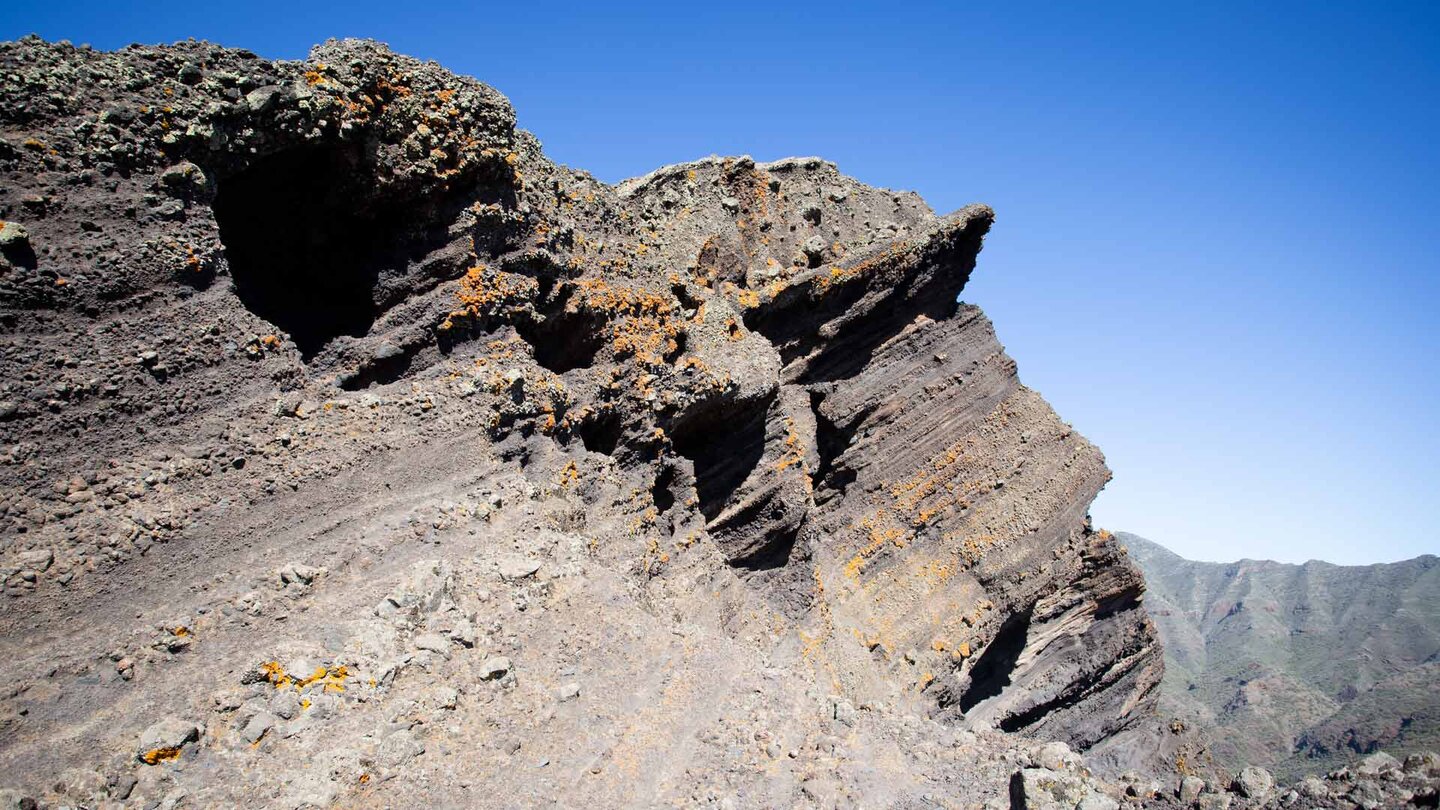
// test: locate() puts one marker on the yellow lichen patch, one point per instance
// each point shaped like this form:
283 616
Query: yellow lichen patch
568 474
877 537
157 755
483 292
275 674
794 449
335 679
937 572
319 673
316 76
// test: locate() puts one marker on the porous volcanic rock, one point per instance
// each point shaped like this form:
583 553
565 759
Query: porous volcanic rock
417 468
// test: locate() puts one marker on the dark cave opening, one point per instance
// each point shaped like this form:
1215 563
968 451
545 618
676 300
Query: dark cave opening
774 552
662 491
601 432
303 253
725 444
831 441
992 672
563 339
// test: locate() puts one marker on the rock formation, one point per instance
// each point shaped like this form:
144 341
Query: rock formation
354 452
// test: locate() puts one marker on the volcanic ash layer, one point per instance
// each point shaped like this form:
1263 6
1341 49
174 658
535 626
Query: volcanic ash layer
355 452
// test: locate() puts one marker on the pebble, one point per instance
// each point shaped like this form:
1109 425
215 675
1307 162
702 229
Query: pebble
257 727
514 569
494 667
170 734
433 642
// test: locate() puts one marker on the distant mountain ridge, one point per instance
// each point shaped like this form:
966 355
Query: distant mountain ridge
1298 667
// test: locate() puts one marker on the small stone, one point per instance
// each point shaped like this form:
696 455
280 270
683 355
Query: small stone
300 573
1057 756
1042 789
40 560
13 234
1313 787
464 633
433 642
494 667
163 741
568 691
261 98
515 569
261 723
1097 801
1253 783
399 748
286 705
445 697
1190 789
1425 762
815 249
1214 801
1377 763
124 785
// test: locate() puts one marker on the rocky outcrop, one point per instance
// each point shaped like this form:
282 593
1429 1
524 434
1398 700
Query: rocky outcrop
336 414
1298 668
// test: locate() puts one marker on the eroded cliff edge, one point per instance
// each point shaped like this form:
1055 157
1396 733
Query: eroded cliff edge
701 482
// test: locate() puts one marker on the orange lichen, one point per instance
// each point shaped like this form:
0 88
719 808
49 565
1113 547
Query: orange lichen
275 674
157 755
483 292
877 538
794 449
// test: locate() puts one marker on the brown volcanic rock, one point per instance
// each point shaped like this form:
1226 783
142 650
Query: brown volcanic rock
336 414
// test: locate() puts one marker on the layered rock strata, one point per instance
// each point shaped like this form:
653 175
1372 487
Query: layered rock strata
342 426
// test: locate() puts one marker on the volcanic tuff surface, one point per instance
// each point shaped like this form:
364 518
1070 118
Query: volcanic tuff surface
355 452
1298 667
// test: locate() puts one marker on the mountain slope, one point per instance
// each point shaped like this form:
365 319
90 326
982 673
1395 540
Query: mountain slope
1298 667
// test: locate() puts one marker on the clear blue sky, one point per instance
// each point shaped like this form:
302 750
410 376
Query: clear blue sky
1217 250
